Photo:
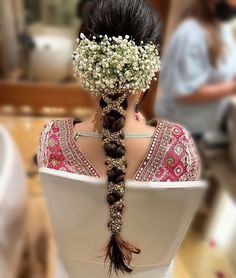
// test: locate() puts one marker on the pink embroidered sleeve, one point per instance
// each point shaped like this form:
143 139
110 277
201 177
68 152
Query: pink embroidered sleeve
50 153
179 160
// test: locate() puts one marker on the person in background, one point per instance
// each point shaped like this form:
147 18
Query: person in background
199 67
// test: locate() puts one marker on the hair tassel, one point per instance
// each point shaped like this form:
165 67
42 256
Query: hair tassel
119 253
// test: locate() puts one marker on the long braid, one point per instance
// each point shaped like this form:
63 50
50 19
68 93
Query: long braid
117 251
113 61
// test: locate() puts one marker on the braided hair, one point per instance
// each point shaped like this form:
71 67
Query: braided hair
137 19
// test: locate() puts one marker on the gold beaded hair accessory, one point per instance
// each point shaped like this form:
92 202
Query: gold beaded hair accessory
116 189
114 106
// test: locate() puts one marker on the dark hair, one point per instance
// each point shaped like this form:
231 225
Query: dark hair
140 21
205 12
83 7
135 18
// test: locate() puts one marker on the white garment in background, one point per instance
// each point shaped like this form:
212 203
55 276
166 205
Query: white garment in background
185 68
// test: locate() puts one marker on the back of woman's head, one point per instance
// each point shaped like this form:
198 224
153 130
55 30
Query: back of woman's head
135 18
117 52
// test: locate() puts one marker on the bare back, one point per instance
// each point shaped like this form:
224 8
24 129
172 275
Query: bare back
136 148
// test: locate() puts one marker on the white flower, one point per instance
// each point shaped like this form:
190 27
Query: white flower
82 36
117 60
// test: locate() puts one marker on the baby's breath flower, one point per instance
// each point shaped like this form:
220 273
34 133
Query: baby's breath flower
115 63
82 36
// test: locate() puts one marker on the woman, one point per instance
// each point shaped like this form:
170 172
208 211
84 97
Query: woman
115 60
199 67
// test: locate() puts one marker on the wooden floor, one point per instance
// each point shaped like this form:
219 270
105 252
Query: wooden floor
195 259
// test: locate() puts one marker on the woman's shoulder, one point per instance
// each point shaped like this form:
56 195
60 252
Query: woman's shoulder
158 120
52 128
180 149
189 30
188 40
54 125
174 127
190 25
49 139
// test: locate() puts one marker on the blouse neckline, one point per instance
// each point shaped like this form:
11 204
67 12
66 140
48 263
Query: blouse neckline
75 155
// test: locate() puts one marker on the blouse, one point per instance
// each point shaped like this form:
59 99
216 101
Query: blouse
172 154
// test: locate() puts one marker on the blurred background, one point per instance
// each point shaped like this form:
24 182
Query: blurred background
36 85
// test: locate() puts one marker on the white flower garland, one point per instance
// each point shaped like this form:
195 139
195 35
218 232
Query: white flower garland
115 64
